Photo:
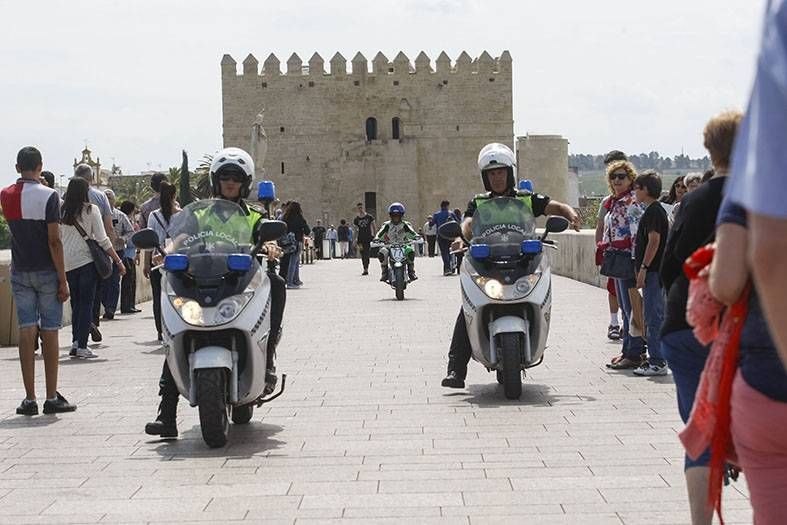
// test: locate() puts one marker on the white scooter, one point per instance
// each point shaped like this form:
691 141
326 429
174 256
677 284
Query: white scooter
506 288
215 310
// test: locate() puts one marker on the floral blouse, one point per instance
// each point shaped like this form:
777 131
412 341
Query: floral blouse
620 222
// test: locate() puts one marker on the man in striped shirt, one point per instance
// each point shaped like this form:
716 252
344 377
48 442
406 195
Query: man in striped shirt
38 277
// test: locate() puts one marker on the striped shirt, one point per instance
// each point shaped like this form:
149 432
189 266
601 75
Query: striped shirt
29 207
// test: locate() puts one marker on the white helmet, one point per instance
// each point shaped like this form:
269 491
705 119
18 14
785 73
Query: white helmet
232 160
496 155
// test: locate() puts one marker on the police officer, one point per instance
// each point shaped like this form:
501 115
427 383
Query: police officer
231 174
496 163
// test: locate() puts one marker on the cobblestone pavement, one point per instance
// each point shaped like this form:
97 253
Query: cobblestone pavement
364 432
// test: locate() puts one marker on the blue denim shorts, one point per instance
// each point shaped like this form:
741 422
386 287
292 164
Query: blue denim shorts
35 296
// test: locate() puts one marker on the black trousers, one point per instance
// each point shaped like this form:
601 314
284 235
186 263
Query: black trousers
460 352
365 249
284 265
128 286
166 383
96 310
445 253
318 247
430 242
459 257
155 286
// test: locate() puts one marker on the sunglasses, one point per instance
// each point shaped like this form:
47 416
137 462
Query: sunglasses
619 176
233 176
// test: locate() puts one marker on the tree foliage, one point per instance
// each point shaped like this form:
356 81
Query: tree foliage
642 161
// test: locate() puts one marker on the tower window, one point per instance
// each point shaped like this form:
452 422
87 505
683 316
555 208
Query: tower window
356 83
371 129
311 84
396 128
282 168
264 84
281 129
396 82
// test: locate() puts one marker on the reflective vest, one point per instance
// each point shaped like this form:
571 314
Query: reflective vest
234 227
491 214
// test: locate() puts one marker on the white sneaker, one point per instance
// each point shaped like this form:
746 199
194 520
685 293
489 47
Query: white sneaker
648 370
86 353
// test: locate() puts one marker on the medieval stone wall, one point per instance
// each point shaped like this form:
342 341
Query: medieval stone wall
315 120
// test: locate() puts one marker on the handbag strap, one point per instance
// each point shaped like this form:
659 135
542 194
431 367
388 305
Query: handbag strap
158 219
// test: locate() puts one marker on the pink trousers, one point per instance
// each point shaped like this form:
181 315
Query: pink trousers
759 431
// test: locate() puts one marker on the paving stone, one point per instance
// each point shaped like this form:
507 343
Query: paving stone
364 433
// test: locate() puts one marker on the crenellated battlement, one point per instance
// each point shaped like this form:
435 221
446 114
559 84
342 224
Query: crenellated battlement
484 64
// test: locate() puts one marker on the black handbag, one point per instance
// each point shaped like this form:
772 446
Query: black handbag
617 264
101 260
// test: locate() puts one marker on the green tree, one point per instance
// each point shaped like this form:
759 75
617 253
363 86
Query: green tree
5 233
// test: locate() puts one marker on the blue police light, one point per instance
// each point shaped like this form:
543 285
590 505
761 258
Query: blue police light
239 262
266 191
479 251
176 262
526 185
531 246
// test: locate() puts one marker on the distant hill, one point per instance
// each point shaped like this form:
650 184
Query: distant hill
595 182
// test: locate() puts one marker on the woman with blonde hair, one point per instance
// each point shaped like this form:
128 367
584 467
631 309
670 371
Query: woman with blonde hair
617 243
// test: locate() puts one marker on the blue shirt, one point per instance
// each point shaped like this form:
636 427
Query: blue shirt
759 362
759 157
443 216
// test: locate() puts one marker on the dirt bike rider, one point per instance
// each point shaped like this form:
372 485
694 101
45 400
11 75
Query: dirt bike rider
397 230
496 163
231 173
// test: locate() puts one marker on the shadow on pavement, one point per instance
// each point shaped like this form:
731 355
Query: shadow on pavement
491 396
41 420
244 441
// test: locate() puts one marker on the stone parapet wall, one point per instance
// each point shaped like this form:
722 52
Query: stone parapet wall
576 257
8 321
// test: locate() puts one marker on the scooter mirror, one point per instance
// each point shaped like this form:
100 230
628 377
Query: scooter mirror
556 224
271 230
450 230
145 239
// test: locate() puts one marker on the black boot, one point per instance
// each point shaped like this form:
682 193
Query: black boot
454 378
385 275
411 273
165 424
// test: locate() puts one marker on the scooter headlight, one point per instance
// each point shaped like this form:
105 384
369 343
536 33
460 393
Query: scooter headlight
231 307
491 287
189 310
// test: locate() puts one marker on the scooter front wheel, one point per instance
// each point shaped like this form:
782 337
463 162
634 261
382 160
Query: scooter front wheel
399 275
211 396
512 365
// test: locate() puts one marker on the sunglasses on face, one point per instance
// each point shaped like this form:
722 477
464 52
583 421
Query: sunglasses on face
232 176
619 176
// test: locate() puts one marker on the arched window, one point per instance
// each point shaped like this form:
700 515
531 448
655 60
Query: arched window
371 129
396 128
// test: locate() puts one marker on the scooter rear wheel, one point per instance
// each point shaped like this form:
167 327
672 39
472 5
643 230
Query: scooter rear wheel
512 365
213 417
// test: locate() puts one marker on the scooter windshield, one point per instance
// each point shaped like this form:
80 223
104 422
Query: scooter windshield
503 223
207 231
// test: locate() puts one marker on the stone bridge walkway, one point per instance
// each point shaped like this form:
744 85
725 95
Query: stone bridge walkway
364 433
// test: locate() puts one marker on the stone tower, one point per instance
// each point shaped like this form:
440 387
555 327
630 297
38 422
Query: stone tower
388 131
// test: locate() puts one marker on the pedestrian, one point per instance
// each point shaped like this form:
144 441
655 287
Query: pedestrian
648 251
123 232
342 233
318 235
128 284
48 179
685 355
366 228
439 218
758 184
38 279
692 181
332 235
459 254
297 226
757 381
618 242
160 221
613 330
81 221
154 202
430 231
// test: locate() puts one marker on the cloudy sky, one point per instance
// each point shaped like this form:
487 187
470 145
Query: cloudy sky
140 80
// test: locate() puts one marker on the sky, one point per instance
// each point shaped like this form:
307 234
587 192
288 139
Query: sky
139 81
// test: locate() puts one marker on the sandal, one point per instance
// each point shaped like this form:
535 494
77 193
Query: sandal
625 363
